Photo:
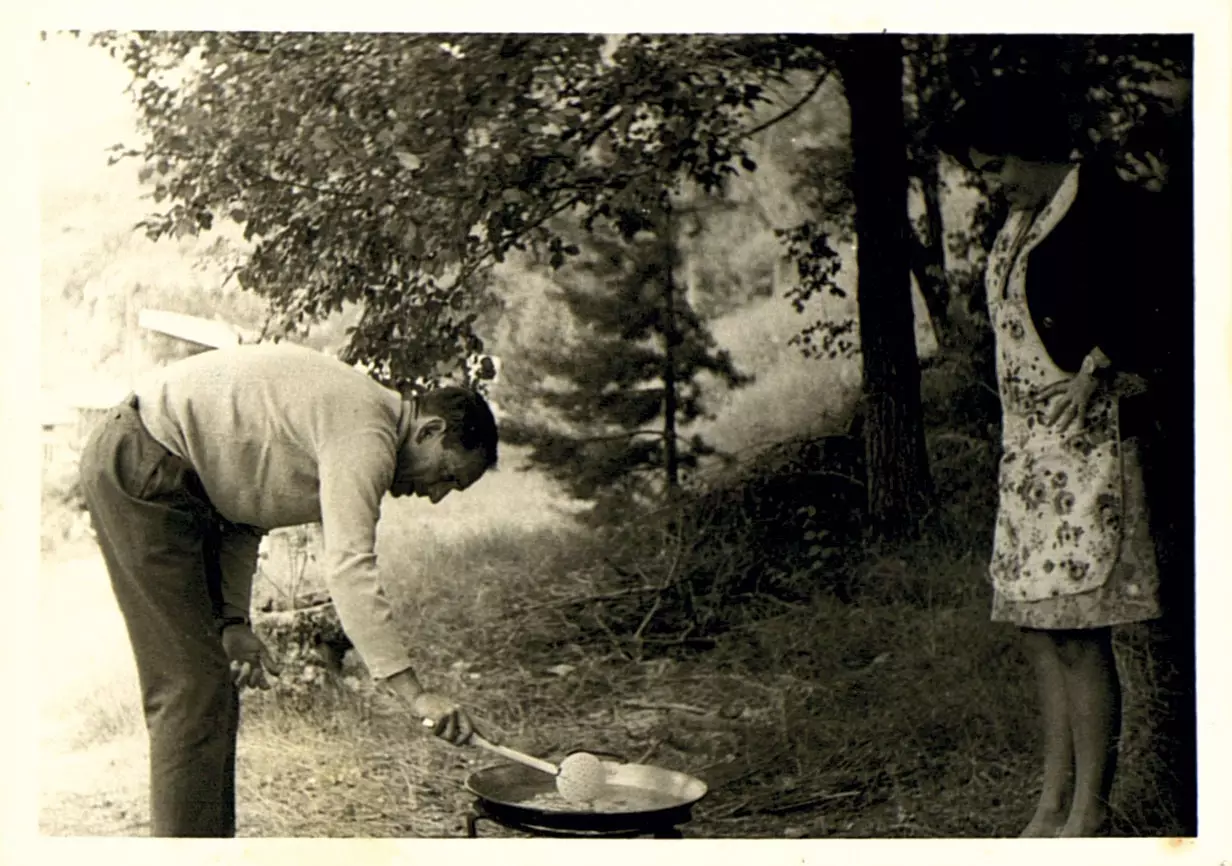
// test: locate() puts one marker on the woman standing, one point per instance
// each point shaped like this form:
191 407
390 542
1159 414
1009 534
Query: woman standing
1089 332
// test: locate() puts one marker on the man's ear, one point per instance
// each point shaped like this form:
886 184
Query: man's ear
429 428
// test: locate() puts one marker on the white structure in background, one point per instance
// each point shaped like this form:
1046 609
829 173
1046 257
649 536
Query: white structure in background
193 329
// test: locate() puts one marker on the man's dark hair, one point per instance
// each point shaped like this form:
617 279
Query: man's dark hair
468 419
1016 116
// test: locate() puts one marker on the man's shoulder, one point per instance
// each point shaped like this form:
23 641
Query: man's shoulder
301 369
309 390
285 353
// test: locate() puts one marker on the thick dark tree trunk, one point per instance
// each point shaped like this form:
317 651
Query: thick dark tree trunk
899 483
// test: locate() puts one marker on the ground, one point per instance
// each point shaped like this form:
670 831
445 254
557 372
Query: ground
898 718
356 771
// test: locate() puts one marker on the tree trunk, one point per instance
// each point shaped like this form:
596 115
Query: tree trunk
899 483
671 460
928 254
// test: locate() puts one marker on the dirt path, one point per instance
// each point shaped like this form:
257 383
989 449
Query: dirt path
92 748
95 791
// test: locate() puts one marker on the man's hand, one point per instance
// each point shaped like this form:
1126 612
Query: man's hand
250 658
1071 398
449 721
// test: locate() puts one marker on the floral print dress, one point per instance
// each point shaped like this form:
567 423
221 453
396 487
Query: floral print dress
1072 548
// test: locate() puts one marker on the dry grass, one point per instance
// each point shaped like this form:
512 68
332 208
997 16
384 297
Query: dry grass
905 714
901 711
341 773
111 712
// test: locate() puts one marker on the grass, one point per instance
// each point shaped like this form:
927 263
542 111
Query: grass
111 712
786 712
902 713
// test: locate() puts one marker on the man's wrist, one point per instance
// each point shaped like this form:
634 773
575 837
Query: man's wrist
406 686
230 620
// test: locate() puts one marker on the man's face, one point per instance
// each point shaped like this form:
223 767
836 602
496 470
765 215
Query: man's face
436 469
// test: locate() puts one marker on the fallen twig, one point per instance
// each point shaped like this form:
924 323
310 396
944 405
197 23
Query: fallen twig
612 636
750 769
654 747
797 805
666 705
749 805
731 811
654 608
588 599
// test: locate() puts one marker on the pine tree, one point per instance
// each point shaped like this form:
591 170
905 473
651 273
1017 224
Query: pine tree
609 406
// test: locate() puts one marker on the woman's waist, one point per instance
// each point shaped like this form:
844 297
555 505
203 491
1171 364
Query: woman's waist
1027 394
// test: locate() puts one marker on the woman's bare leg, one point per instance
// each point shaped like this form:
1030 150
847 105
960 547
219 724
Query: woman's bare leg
1093 693
1058 734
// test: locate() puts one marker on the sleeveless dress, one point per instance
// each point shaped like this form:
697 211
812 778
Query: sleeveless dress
1072 548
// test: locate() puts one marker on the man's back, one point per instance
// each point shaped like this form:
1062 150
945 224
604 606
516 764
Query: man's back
255 422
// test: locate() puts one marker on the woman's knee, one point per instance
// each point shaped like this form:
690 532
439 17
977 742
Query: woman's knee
1038 642
1081 646
1070 646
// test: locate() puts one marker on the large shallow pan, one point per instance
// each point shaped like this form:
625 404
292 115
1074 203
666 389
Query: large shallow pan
506 793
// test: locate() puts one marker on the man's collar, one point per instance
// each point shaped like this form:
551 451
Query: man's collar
406 419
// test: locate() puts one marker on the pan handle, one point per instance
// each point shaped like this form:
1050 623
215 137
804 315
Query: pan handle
514 755
506 752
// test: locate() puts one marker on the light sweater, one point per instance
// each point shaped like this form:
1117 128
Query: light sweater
281 435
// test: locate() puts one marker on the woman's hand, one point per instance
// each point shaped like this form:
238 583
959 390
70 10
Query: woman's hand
1071 398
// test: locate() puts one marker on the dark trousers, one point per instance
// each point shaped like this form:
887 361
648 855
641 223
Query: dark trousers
158 534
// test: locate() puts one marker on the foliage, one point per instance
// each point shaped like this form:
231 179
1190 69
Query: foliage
340 154
817 265
292 579
780 529
1127 94
311 646
92 288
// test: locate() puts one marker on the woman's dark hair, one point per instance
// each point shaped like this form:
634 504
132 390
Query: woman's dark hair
468 419
1015 116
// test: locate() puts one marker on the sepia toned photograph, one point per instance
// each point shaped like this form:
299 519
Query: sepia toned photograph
716 436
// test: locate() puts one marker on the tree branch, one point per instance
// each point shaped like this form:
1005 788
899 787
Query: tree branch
466 273
618 436
590 140
783 115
